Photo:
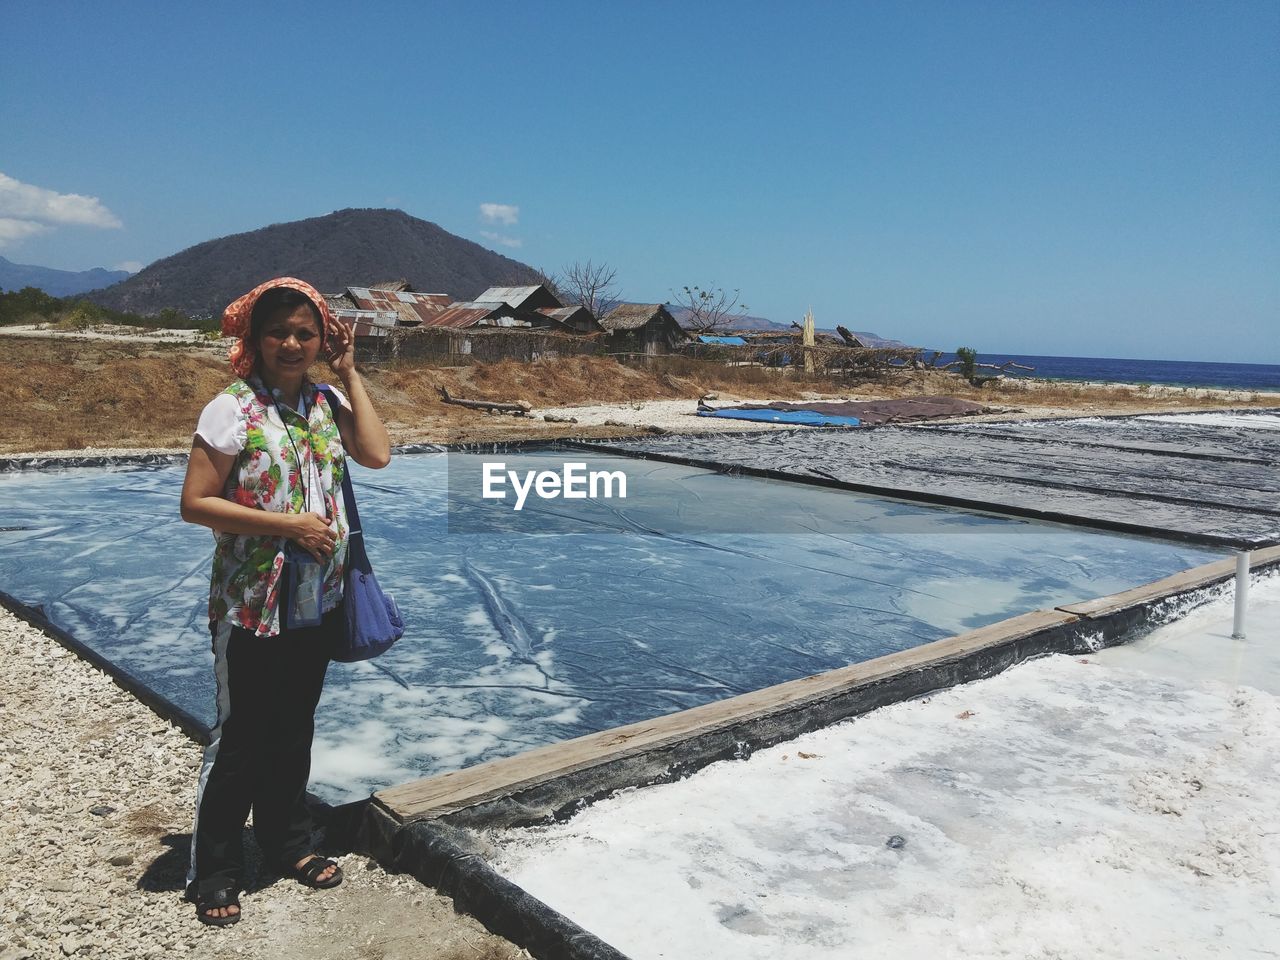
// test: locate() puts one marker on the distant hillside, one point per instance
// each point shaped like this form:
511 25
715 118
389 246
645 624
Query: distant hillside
760 323
875 341
738 323
346 248
56 283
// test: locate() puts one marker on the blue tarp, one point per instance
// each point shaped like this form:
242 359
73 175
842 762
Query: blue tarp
808 418
730 341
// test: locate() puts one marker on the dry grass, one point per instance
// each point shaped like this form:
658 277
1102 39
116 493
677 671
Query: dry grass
84 393
66 395
152 821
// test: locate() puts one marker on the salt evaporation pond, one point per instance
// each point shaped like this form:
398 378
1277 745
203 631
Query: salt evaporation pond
568 618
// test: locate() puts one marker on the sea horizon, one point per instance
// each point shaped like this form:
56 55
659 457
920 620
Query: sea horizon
1263 377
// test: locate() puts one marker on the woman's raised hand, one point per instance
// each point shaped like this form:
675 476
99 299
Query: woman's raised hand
313 533
340 349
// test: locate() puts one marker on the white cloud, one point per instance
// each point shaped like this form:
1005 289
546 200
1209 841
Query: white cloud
11 230
504 213
133 266
502 239
27 203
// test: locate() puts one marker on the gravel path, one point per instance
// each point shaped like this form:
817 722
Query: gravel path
96 793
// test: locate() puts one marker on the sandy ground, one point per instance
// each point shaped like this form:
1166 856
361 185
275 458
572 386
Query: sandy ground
672 416
138 392
1117 805
97 792
108 331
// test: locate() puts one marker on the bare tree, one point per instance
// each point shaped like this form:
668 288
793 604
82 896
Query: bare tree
591 285
709 309
553 282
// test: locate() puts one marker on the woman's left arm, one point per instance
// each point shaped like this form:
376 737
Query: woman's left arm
363 435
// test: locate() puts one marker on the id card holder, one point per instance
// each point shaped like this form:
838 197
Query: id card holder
305 588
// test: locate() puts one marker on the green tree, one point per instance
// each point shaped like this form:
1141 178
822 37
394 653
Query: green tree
968 358
28 305
82 316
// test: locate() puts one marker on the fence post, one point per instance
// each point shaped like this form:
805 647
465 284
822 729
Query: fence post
1242 594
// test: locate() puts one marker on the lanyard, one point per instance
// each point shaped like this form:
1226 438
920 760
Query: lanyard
305 481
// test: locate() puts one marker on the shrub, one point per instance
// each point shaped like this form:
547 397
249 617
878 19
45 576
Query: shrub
81 316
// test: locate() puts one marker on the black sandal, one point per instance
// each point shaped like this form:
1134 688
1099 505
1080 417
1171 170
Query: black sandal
308 873
213 900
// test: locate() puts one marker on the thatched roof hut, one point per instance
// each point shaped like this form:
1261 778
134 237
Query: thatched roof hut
642 328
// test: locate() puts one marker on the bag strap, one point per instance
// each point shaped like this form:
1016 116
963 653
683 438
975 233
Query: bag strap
356 555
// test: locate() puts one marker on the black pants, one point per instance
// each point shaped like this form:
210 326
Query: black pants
261 757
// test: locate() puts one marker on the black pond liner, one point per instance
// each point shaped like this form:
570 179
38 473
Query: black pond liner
447 855
1039 474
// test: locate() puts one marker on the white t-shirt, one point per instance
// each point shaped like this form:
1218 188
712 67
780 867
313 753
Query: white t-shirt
222 426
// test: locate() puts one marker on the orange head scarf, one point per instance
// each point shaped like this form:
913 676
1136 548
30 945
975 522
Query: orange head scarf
235 320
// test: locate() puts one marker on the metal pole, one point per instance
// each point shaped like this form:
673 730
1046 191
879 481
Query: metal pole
1242 594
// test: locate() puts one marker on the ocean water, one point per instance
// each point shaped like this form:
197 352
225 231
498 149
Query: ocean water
606 613
1179 373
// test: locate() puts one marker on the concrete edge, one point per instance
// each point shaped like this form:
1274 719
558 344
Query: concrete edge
578 767
541 783
148 458
1176 584
454 862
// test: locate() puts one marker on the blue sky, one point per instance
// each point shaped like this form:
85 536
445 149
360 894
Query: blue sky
1044 178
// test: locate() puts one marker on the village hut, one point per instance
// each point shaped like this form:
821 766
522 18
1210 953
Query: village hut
374 312
577 318
642 328
530 298
465 314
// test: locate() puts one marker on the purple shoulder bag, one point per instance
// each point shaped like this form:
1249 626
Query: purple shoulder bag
372 620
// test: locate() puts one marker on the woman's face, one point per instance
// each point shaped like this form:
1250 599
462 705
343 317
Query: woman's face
289 343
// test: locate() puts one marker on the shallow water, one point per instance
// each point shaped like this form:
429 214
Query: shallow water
567 618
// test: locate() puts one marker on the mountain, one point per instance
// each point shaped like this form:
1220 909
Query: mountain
872 340
56 283
875 341
342 249
681 315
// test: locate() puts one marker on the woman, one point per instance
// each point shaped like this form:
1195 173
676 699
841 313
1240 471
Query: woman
265 474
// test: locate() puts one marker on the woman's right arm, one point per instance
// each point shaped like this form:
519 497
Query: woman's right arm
204 504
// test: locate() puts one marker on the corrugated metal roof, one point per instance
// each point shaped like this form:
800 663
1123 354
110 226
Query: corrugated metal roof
412 308
576 317
536 296
366 323
563 313
512 296
464 314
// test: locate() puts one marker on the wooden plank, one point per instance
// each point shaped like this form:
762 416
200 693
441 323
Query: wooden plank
446 793
1192 579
